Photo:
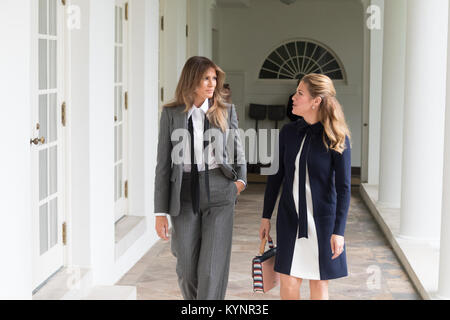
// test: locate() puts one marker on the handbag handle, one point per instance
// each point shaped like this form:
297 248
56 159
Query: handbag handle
263 245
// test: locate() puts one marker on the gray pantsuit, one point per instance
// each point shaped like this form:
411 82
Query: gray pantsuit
202 243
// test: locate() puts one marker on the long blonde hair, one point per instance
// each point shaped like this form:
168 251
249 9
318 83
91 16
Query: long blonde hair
330 111
191 76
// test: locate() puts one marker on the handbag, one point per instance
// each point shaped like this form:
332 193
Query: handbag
264 275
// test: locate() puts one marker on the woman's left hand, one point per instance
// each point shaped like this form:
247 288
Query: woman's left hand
239 186
337 245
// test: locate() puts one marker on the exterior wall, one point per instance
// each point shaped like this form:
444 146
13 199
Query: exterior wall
248 35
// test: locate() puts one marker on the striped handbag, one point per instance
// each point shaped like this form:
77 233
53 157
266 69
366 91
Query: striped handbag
264 275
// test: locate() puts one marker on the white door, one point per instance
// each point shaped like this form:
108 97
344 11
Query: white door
47 139
120 110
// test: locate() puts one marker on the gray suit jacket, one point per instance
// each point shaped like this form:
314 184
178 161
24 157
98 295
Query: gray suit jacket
168 175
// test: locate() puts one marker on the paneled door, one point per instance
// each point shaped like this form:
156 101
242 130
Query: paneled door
120 110
47 140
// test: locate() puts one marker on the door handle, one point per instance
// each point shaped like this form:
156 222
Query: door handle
37 140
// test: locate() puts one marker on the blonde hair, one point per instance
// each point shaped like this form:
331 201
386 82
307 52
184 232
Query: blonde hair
330 111
191 76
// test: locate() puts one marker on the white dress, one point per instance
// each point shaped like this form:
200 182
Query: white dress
305 260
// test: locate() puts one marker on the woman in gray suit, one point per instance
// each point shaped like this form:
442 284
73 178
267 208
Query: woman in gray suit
197 187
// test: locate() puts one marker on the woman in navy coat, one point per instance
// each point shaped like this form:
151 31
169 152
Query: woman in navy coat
315 171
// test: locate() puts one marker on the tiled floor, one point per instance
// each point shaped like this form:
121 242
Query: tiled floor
374 271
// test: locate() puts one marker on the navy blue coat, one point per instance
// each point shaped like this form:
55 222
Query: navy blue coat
330 181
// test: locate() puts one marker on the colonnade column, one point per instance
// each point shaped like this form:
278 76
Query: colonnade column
393 92
423 131
444 257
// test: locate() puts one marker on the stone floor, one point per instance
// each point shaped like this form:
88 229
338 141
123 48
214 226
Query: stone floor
374 271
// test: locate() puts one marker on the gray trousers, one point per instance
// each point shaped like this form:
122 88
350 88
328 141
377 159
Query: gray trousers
202 243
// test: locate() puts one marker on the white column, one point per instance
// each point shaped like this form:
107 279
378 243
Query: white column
423 133
376 68
101 142
150 111
393 93
209 14
200 27
174 45
444 257
15 130
92 140
366 97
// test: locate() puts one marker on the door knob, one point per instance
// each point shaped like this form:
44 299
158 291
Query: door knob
37 140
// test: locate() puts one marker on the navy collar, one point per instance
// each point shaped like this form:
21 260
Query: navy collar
304 126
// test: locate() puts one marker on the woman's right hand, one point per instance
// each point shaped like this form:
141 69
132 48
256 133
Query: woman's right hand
162 227
264 229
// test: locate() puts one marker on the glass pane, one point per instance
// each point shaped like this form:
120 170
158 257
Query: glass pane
43 174
119 181
296 65
119 143
310 48
116 24
291 66
270 66
52 64
119 64
326 58
42 64
120 25
276 58
291 48
115 144
119 103
301 48
53 170
333 65
116 102
336 75
53 222
52 13
115 64
314 68
319 52
283 52
52 125
43 228
43 16
287 73
43 125
263 74
300 63
115 183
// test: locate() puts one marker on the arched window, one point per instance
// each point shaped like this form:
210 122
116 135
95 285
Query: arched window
295 59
